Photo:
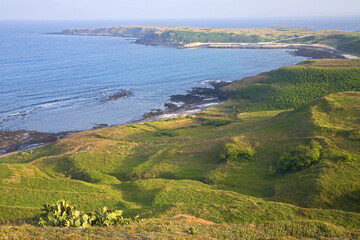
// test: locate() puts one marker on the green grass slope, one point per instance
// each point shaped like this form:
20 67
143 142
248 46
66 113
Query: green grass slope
182 166
292 87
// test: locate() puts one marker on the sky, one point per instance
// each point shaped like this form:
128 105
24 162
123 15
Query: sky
172 9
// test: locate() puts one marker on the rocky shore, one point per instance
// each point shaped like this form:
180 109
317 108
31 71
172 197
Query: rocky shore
195 100
18 140
122 93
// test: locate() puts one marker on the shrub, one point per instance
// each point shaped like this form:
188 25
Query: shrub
299 158
344 157
238 151
166 134
338 156
217 123
63 214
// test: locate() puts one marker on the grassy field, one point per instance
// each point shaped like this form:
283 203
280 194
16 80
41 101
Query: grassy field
176 167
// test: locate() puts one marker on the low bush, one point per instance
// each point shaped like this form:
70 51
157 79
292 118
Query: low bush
338 156
64 214
238 151
166 134
217 123
299 158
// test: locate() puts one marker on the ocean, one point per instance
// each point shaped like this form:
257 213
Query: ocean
54 83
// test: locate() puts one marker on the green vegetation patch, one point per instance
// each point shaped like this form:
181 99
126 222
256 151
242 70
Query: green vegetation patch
299 158
238 151
217 123
166 134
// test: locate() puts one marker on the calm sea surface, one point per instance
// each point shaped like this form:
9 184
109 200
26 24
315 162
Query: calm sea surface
55 83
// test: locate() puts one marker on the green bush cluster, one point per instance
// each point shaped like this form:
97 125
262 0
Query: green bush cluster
299 158
217 123
166 134
238 151
64 214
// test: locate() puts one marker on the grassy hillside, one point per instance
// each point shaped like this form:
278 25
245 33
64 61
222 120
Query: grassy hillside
220 165
293 86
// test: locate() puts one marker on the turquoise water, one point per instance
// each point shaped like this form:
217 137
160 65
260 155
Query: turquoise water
55 83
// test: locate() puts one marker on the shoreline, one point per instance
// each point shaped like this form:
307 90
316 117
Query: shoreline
183 112
13 141
37 142
196 100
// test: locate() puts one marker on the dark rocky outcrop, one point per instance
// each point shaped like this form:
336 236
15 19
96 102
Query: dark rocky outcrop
115 96
317 54
11 141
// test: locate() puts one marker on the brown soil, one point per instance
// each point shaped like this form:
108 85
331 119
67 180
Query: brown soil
190 219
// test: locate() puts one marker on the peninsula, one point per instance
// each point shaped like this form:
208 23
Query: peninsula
317 44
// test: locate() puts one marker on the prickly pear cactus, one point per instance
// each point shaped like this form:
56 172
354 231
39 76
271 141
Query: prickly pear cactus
63 214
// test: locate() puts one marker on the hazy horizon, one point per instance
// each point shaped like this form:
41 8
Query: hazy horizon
205 18
165 9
